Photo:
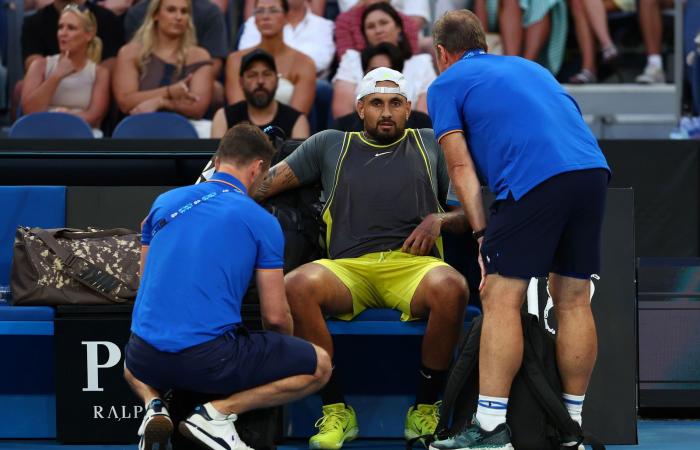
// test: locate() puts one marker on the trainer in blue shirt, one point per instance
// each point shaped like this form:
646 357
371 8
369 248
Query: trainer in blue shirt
201 246
508 121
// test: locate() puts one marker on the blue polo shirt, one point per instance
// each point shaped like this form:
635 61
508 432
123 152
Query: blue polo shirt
520 124
204 242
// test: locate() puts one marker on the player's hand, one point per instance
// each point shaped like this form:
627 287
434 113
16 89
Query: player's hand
481 265
422 240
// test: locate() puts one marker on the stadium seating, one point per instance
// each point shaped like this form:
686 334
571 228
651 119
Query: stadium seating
46 125
157 125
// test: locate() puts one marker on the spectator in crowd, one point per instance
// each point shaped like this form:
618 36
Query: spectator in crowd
39 32
384 219
297 72
70 81
304 31
318 7
209 26
534 29
118 7
383 55
418 10
477 6
650 22
526 27
187 331
349 35
590 17
162 68
258 78
381 23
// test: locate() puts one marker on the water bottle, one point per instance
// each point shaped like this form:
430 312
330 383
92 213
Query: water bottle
5 295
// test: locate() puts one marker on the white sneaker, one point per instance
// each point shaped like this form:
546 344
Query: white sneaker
652 75
156 427
216 434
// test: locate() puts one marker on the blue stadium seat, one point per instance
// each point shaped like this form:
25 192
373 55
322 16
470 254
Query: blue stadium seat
45 125
32 206
157 125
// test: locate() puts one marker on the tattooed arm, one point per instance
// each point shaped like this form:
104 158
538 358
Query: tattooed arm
278 179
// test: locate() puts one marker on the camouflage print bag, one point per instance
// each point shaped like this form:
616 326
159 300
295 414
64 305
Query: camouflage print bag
66 266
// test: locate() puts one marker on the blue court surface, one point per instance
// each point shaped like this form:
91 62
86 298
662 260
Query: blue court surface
653 435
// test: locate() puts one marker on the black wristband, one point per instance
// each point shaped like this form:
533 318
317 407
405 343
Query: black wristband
477 234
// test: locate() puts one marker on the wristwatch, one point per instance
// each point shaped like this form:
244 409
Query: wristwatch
479 233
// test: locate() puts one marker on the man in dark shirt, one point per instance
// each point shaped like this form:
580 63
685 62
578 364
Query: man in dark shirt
39 32
208 23
384 189
258 79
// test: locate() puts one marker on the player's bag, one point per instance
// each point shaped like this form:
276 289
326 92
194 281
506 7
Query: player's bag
298 210
537 417
299 214
65 266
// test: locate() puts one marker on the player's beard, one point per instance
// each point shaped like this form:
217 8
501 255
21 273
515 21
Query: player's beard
385 137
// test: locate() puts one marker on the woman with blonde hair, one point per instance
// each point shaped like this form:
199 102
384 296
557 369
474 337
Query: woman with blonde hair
71 81
162 68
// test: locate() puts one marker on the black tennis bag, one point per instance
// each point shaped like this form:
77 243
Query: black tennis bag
537 417
299 214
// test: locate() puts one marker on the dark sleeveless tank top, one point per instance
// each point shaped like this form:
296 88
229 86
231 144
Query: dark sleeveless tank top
285 118
381 194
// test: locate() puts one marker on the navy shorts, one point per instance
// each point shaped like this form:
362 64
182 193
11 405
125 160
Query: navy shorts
555 227
235 361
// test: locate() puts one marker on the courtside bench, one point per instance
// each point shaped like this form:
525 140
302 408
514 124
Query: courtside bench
27 400
378 357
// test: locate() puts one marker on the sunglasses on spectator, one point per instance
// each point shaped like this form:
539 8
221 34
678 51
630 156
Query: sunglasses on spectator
75 7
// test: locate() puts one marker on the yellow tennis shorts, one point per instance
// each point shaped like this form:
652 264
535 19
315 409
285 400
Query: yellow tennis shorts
382 279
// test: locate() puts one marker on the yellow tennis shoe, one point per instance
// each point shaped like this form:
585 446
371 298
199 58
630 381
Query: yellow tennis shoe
338 424
421 420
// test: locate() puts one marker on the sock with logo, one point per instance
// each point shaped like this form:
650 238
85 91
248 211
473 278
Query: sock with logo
332 393
213 412
655 60
491 411
430 385
574 404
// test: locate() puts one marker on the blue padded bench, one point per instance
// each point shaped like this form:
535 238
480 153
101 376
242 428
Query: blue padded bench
384 321
26 320
27 400
378 357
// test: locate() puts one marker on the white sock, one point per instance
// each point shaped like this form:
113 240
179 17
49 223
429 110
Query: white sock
574 404
214 413
491 411
655 60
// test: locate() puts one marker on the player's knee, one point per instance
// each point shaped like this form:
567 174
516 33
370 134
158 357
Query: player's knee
323 366
449 291
300 286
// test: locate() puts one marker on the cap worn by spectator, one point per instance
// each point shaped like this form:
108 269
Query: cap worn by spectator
257 55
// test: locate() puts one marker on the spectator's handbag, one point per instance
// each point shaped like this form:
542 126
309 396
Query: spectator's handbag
65 266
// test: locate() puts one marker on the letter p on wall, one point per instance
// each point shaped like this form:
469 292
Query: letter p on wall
93 365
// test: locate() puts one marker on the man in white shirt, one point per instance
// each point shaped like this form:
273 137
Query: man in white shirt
305 32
